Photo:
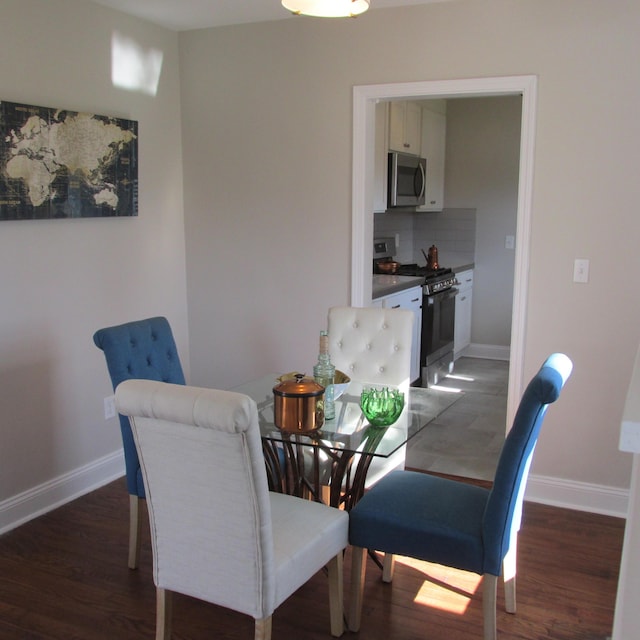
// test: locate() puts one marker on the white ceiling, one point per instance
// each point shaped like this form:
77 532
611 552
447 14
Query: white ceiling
181 15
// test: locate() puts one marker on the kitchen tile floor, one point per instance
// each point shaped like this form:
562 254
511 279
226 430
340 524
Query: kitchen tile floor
467 438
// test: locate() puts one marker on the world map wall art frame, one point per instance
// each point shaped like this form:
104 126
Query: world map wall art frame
56 163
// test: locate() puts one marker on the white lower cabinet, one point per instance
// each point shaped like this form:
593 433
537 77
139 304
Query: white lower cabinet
408 299
462 331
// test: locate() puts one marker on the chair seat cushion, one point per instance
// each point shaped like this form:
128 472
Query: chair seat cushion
300 526
422 516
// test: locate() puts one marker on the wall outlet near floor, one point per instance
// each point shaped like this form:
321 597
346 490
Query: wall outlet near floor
581 270
110 407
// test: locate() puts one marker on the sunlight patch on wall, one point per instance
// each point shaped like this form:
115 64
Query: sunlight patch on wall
132 67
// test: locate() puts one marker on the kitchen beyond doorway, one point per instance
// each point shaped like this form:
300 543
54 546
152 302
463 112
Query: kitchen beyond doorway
467 438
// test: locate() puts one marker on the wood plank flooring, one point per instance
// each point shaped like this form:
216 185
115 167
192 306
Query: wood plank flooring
64 576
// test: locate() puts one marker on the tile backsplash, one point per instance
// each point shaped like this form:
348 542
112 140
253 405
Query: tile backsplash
453 231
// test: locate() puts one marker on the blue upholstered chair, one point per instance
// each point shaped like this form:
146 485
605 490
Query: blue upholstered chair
453 523
143 349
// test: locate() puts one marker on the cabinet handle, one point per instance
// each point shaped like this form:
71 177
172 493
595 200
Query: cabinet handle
415 300
397 306
406 145
463 298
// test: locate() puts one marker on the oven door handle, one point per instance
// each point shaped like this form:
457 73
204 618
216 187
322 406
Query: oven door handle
441 296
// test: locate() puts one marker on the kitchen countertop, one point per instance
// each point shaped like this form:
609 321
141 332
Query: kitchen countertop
384 285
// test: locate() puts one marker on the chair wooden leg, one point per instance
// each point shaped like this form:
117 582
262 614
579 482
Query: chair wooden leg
489 596
135 515
336 595
163 614
388 567
263 629
509 572
358 570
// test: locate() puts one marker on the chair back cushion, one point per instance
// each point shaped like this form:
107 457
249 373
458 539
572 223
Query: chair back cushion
504 507
141 349
372 344
202 463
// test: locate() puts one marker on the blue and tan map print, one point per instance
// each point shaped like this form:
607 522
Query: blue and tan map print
56 163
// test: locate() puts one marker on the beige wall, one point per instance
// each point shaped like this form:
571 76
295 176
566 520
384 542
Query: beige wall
61 280
266 145
267 124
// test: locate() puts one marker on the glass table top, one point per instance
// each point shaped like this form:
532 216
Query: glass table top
349 431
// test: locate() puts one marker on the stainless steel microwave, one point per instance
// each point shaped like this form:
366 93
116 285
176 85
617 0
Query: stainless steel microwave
407 180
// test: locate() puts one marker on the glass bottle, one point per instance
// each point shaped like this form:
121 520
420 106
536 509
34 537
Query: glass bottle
324 373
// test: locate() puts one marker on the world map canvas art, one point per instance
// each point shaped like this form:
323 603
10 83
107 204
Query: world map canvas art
56 163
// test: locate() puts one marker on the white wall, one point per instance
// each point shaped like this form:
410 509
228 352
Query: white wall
63 279
267 122
483 150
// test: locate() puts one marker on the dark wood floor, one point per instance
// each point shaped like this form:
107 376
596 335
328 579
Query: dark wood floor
64 576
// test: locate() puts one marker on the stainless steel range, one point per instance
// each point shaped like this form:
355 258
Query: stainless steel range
438 312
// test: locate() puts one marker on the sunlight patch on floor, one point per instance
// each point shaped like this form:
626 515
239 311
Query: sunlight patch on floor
443 588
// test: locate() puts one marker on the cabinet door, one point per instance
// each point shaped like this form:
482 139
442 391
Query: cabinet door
464 300
434 126
405 126
410 299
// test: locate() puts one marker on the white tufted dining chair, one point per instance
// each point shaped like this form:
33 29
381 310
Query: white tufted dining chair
373 345
218 534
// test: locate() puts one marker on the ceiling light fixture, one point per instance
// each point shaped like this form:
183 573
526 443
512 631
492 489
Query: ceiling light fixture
327 8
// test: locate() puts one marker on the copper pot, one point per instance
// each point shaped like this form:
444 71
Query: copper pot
388 267
298 405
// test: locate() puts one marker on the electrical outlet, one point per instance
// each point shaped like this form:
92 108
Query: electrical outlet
509 242
110 407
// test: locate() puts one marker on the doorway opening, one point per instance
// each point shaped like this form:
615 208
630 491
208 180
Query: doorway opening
365 99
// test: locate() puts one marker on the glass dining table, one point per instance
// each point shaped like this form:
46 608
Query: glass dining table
330 465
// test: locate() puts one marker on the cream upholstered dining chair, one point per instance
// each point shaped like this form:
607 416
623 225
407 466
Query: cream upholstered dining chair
217 533
373 345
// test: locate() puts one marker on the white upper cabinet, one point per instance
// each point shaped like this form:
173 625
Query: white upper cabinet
405 124
434 131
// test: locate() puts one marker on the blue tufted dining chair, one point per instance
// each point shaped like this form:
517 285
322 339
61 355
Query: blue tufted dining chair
143 349
454 523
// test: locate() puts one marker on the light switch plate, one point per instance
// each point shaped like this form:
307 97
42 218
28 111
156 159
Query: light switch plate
581 270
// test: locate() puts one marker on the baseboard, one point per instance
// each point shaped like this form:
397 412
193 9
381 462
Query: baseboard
30 504
488 351
582 496
39 500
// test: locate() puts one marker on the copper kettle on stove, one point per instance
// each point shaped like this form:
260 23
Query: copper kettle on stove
432 257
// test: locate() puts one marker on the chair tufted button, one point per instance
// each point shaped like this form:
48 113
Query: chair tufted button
368 346
385 326
396 347
381 369
148 361
355 325
340 343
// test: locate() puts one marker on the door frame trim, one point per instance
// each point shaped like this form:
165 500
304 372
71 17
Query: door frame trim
365 98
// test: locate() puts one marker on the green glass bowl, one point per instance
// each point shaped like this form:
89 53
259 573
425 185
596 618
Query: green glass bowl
382 407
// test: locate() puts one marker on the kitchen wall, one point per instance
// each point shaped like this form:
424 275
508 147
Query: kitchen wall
483 155
63 279
269 249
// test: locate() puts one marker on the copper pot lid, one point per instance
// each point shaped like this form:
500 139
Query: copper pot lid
299 387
